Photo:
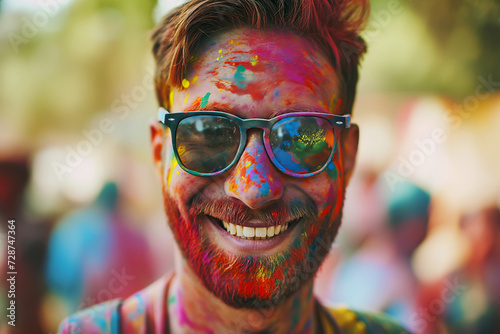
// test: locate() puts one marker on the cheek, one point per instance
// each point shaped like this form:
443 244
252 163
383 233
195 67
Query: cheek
326 190
180 185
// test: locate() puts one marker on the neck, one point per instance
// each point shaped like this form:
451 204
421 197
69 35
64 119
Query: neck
194 309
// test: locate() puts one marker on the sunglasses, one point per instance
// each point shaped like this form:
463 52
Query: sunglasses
208 143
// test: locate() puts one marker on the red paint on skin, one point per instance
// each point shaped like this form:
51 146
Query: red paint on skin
253 89
211 105
220 270
196 103
260 66
299 61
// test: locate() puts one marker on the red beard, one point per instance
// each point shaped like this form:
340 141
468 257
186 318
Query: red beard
253 282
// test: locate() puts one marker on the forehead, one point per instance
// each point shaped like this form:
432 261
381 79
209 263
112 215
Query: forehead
257 73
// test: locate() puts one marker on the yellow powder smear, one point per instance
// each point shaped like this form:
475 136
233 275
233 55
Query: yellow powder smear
254 60
171 99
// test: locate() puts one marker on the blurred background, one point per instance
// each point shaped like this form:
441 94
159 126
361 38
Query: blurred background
421 232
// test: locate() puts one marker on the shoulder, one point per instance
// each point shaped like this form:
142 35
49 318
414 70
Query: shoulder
139 313
101 318
356 322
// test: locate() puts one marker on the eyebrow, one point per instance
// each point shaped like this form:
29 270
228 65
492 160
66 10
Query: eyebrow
274 113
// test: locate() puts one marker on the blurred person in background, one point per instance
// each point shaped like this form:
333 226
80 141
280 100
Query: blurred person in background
94 255
378 275
30 246
468 300
245 234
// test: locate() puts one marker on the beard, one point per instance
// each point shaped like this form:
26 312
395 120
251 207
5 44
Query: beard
254 282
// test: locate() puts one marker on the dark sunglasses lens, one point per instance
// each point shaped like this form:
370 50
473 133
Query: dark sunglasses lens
302 145
207 144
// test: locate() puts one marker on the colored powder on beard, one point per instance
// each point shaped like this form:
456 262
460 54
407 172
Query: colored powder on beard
204 100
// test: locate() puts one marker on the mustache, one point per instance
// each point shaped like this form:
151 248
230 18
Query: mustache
234 211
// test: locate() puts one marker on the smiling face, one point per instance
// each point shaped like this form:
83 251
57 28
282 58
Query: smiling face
253 234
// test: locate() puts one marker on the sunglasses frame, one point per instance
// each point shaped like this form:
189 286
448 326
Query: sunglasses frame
172 120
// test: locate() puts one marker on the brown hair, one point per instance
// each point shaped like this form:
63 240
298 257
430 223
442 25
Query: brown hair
333 24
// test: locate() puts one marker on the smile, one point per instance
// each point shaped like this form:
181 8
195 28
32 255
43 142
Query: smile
253 233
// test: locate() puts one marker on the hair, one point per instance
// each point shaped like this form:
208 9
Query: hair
334 25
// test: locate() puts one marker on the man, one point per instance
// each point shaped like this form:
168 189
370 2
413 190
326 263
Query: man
254 149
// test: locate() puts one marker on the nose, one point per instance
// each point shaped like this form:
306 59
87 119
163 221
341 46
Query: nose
254 180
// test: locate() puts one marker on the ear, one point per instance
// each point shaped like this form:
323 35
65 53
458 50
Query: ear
157 142
349 147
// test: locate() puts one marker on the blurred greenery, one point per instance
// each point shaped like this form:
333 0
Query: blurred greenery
433 46
85 57
91 52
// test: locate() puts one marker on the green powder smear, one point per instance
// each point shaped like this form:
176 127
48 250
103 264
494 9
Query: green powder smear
204 100
239 76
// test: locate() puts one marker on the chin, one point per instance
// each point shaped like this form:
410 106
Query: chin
253 281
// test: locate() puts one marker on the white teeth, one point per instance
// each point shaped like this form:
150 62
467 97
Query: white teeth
261 232
248 232
257 233
239 230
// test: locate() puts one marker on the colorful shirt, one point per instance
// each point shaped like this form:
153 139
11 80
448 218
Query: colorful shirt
146 312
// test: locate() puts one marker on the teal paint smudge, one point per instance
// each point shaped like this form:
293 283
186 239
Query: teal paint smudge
239 77
332 170
204 100
171 300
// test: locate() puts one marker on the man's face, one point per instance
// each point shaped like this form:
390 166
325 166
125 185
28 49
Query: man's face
255 74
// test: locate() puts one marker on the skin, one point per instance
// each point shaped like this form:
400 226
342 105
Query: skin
217 287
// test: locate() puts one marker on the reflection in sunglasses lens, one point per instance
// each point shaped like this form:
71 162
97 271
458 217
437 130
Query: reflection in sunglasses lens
207 144
302 144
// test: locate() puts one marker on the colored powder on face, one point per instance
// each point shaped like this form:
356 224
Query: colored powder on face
171 98
185 83
173 164
332 171
334 103
186 99
196 103
204 100
239 77
195 78
254 60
